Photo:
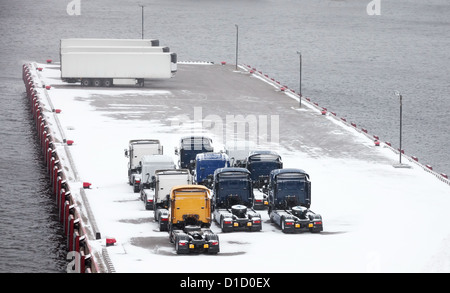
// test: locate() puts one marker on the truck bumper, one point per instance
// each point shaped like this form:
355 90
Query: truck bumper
251 225
260 204
201 246
209 244
310 226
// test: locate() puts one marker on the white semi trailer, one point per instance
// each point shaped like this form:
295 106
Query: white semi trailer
108 42
98 62
120 68
114 49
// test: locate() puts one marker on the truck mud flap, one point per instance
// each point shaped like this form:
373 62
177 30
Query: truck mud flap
287 226
213 243
182 244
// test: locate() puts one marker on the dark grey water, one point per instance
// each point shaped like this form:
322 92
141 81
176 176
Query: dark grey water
352 63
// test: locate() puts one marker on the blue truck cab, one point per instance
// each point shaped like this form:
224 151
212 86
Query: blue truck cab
289 187
260 164
289 194
206 164
233 200
189 147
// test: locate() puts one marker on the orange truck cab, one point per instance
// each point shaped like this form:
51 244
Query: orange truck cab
190 219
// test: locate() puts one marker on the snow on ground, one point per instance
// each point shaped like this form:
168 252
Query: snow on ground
377 218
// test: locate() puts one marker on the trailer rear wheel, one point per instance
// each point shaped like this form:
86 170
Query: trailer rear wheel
108 82
97 82
85 82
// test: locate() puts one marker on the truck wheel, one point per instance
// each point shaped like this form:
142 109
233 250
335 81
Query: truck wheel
97 82
107 82
85 82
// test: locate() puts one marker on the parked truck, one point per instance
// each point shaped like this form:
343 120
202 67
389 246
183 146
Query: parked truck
116 68
157 197
289 193
148 165
260 164
206 164
190 220
137 148
189 147
106 62
232 196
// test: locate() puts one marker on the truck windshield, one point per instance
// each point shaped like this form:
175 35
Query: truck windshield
264 157
292 187
209 167
197 144
262 168
237 186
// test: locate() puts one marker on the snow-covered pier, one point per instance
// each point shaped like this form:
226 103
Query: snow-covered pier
377 218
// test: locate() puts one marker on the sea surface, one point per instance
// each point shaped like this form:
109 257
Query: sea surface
352 63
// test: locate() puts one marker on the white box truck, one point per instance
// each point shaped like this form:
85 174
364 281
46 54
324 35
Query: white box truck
137 149
149 165
156 191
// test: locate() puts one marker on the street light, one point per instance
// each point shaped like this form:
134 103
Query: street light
142 20
300 79
400 165
237 44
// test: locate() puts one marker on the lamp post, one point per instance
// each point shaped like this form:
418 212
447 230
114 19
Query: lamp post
142 20
237 44
300 79
397 93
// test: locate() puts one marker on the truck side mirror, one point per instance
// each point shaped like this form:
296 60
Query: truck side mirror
176 151
126 153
